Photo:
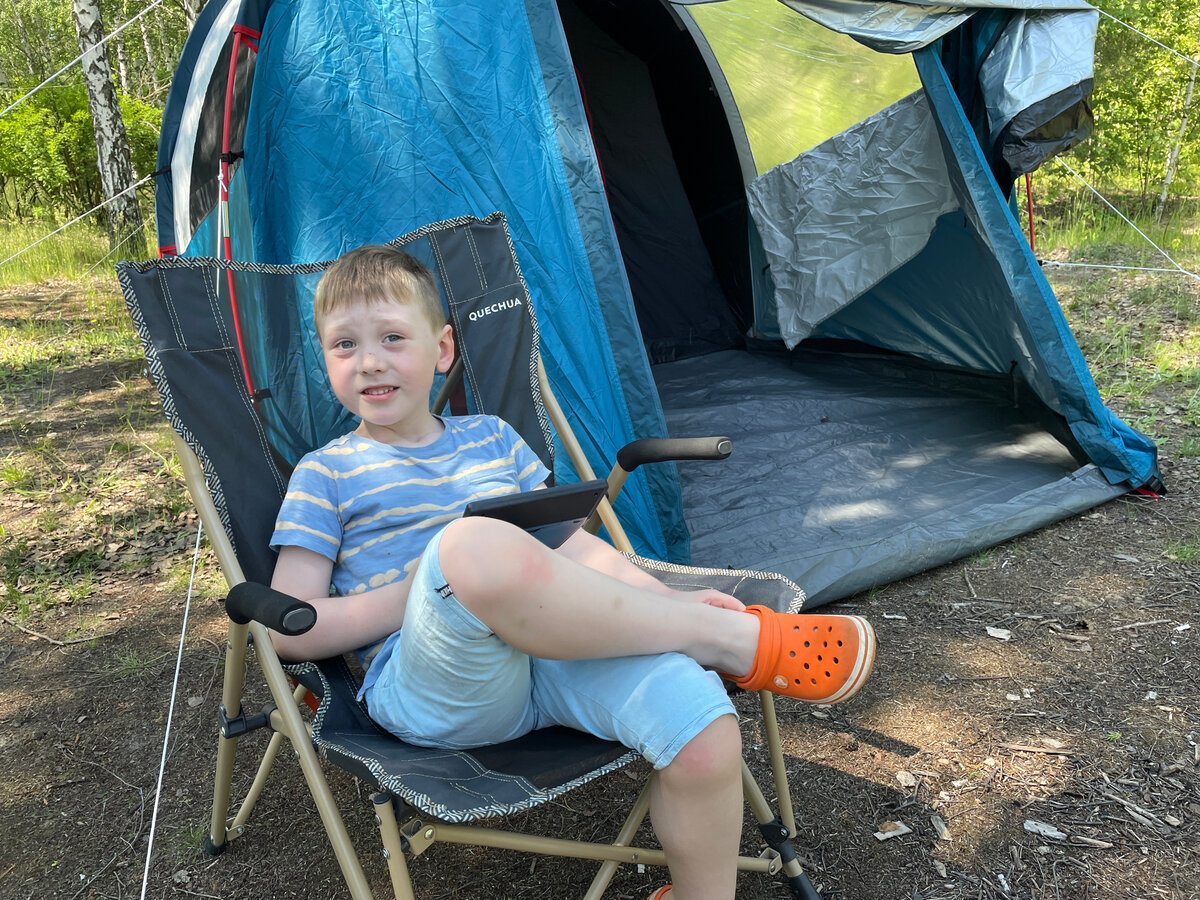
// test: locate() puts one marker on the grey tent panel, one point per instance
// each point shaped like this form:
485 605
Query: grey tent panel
844 215
1036 57
854 470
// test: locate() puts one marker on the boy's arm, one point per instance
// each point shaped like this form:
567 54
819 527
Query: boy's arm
343 623
595 553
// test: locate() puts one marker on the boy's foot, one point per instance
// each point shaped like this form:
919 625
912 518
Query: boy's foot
815 658
660 893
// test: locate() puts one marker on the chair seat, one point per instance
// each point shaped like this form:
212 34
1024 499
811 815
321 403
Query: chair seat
450 785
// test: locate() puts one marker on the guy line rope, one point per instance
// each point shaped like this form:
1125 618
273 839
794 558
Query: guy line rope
1129 222
95 208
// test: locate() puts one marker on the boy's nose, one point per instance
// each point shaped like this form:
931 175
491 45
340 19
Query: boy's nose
369 362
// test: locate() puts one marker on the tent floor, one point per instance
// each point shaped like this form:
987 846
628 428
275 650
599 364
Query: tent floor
854 470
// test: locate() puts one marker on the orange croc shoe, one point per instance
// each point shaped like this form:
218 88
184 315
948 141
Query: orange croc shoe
660 893
815 658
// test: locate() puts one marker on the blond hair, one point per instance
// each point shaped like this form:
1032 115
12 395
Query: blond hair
377 274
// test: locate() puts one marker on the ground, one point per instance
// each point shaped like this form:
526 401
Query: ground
1032 719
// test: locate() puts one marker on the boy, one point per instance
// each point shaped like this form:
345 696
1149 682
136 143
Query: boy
502 635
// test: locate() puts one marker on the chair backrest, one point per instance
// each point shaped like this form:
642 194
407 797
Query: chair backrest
233 353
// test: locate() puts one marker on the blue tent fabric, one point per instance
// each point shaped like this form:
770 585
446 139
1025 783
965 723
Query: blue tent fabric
452 126
368 119
604 256
1122 453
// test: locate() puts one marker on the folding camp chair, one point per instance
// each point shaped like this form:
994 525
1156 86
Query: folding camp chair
231 350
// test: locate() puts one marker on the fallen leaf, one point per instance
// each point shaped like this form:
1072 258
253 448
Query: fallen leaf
889 830
940 826
1000 634
1044 830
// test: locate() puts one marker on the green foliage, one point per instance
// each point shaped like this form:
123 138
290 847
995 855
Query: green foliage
1139 102
48 150
47 145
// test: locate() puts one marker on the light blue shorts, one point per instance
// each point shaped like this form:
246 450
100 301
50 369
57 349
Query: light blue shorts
446 680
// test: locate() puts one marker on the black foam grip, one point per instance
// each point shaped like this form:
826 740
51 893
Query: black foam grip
251 601
651 450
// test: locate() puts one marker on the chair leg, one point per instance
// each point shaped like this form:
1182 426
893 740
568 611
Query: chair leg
286 719
231 704
393 845
777 830
632 822
778 837
778 768
215 841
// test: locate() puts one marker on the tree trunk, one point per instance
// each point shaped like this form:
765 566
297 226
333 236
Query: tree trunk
1173 156
191 10
151 63
26 47
112 144
122 64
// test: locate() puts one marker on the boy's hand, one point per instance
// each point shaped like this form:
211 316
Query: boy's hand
713 598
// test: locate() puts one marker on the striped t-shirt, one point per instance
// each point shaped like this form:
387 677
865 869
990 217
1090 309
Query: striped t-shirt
371 508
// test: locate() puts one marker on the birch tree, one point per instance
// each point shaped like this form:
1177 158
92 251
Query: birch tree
191 10
1173 155
112 144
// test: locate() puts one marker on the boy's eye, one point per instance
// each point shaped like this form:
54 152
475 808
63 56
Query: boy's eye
344 344
392 338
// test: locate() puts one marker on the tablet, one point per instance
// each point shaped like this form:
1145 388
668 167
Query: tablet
551 515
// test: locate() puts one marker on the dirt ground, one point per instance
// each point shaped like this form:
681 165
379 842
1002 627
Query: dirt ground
1033 718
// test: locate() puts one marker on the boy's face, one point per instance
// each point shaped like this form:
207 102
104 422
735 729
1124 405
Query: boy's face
381 360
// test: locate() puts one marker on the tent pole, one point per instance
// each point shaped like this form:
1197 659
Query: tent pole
1029 205
223 216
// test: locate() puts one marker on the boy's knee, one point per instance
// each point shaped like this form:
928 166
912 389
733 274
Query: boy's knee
481 557
714 753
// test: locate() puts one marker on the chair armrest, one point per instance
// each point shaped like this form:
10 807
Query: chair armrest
278 611
652 450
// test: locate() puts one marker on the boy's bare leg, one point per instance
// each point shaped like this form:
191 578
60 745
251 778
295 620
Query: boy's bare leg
546 605
696 809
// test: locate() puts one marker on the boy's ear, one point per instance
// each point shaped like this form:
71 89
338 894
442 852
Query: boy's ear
445 349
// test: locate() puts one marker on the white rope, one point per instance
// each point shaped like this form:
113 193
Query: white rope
112 34
162 766
125 240
1128 221
1076 265
100 206
1186 59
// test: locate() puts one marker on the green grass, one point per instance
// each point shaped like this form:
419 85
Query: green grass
1070 218
982 558
131 662
95 506
76 251
1183 551
1139 334
33 351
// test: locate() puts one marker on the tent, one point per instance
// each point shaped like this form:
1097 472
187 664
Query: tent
785 222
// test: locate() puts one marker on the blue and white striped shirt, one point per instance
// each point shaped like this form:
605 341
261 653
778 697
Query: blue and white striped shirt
371 508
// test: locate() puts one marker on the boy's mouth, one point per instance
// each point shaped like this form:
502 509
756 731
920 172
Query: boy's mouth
377 391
